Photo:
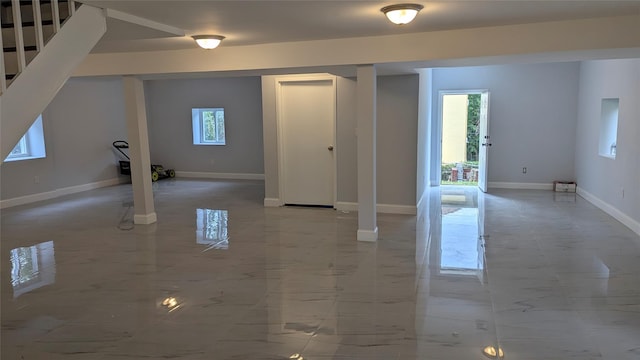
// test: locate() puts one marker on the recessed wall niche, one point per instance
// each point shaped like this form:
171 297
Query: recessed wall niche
609 128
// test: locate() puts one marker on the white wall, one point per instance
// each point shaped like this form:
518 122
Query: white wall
604 179
80 124
397 139
169 104
532 110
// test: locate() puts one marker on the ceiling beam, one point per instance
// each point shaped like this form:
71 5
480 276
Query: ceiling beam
522 40
119 15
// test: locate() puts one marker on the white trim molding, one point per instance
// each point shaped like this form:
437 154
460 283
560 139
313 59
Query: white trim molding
368 235
211 175
522 186
610 209
272 202
145 219
346 206
380 208
28 199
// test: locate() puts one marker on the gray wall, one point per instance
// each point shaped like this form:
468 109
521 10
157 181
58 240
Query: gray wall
397 137
602 177
532 110
169 104
346 140
270 137
80 124
396 141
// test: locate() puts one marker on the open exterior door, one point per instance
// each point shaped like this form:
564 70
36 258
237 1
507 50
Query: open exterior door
481 239
485 141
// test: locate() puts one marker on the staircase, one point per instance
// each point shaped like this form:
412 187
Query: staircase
43 41
26 29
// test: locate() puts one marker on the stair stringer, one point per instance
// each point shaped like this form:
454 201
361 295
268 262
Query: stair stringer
35 87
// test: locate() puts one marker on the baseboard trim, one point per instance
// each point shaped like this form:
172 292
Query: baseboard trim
272 202
380 208
625 219
396 209
368 235
212 175
145 219
28 199
346 206
522 186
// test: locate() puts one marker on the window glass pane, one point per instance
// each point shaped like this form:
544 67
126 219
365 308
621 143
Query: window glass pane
31 145
20 149
220 126
208 126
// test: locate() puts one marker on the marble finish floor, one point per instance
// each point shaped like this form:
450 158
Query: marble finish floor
532 274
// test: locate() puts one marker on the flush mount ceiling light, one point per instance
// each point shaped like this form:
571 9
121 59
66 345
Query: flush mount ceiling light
401 13
208 41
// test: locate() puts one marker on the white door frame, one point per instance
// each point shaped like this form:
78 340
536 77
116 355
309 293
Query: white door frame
485 142
279 81
438 150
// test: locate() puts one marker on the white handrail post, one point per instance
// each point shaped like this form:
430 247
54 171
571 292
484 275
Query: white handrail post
55 12
37 22
3 73
72 7
17 28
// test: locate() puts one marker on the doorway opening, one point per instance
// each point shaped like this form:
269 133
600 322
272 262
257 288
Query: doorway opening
464 123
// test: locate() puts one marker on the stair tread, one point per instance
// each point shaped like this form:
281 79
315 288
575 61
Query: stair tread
28 2
26 48
30 23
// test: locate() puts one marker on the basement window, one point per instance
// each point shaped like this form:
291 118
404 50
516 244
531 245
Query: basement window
208 126
608 128
31 145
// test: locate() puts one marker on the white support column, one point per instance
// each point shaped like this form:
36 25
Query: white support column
138 136
366 120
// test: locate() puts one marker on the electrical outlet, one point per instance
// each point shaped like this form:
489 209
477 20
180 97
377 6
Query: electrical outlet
524 170
36 179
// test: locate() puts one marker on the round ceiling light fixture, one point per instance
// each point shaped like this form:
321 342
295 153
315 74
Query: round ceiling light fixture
401 14
208 41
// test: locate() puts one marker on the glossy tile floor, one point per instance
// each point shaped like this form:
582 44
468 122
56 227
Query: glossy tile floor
533 274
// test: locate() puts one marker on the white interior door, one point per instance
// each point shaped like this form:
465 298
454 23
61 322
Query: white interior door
485 141
306 120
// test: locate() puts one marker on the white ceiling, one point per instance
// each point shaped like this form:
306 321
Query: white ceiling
265 21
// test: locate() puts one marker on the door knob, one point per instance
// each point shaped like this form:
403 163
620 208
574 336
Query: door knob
486 144
330 148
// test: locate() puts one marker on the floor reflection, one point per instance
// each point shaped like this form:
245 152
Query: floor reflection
454 304
212 228
32 267
556 280
460 247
